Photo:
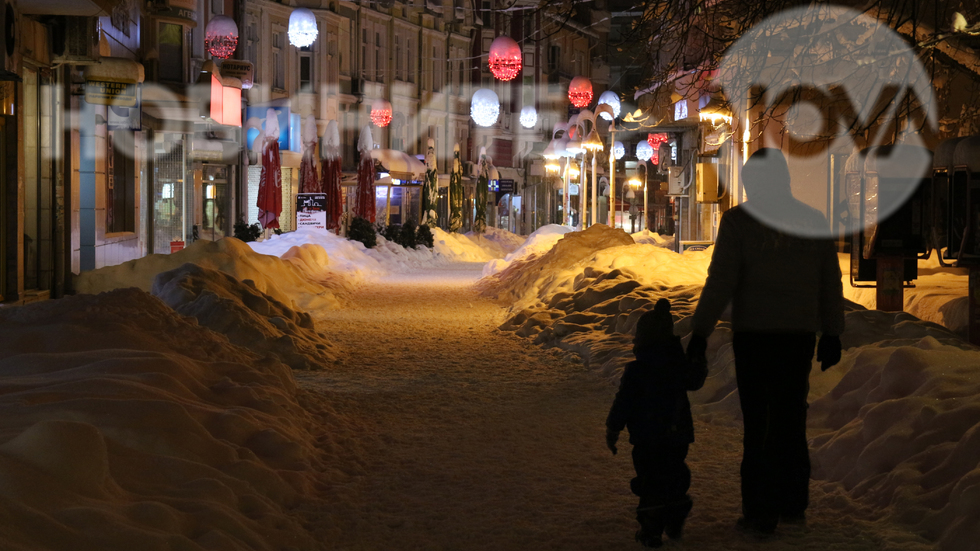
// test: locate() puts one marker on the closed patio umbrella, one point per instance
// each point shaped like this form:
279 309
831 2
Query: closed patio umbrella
269 199
364 204
331 174
309 182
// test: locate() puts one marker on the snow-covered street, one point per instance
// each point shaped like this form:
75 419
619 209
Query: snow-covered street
477 439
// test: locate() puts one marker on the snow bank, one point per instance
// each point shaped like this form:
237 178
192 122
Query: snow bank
535 279
128 426
299 279
474 247
351 258
247 316
538 243
648 237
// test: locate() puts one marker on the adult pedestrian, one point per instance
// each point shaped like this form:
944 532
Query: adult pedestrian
783 281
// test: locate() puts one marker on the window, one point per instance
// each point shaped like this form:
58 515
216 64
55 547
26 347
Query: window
171 50
120 184
378 64
251 40
462 78
278 60
410 63
364 54
436 70
398 59
305 70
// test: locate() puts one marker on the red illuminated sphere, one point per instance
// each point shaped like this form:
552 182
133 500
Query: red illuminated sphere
381 112
505 58
580 91
655 140
221 36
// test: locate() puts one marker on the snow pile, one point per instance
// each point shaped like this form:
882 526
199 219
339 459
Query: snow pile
538 243
648 237
351 258
536 279
474 247
247 316
299 279
128 426
939 295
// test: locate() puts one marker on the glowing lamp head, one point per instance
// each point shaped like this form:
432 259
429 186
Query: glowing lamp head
221 36
381 112
612 100
580 91
485 107
592 141
505 58
529 116
302 27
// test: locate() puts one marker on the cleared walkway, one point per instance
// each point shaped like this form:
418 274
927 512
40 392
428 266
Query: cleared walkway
475 439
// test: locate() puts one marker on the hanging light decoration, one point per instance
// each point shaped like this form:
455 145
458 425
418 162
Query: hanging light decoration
302 27
655 140
580 91
505 58
529 116
619 150
612 100
485 107
221 36
381 112
644 151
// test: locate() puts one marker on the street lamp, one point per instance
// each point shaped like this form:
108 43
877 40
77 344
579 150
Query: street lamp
609 111
634 183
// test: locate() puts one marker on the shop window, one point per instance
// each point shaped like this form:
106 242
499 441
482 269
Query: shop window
171 50
120 185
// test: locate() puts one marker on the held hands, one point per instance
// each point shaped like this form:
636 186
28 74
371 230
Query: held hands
697 349
828 351
611 438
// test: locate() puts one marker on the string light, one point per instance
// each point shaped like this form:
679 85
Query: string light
221 36
485 107
505 58
302 28
612 100
644 151
381 112
655 140
529 116
580 91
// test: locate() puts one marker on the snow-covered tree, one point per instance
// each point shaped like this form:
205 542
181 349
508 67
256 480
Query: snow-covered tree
430 189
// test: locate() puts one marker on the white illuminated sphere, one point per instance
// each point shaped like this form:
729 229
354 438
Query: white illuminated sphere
612 100
644 151
529 116
302 28
485 107
619 150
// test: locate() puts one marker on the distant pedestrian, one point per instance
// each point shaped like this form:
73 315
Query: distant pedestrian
783 282
652 403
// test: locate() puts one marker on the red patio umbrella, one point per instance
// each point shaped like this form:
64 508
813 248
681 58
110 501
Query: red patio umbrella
270 179
309 182
331 174
364 205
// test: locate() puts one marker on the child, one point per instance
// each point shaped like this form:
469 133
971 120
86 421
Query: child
652 403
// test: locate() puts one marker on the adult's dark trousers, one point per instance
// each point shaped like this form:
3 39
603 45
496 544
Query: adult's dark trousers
773 371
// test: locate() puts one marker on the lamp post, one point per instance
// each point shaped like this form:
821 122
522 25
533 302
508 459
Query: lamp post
609 112
644 182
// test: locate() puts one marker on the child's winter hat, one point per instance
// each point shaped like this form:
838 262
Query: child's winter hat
656 323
